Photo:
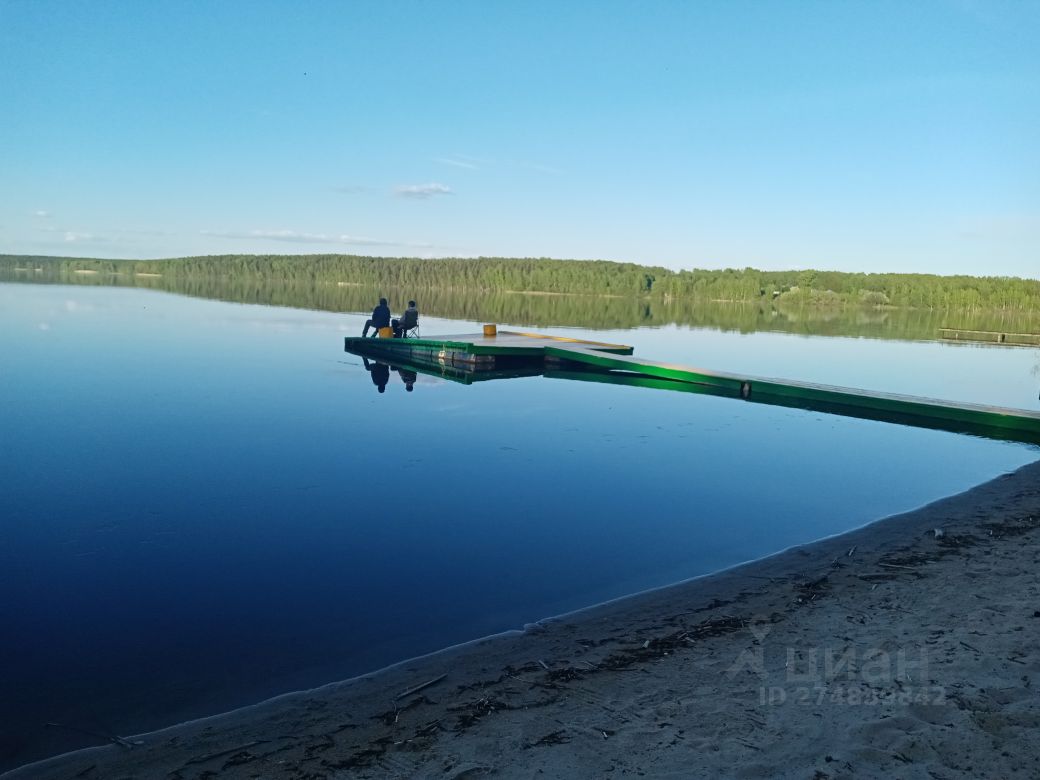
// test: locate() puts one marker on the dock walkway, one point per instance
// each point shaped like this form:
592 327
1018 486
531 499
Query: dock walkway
511 353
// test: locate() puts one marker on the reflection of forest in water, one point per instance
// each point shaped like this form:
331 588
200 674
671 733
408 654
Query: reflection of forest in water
577 311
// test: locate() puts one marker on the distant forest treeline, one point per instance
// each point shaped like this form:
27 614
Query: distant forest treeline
786 313
588 277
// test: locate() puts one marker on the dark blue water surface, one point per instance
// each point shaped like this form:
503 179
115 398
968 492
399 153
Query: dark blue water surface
204 504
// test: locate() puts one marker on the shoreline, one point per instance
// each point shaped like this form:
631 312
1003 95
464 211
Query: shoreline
688 677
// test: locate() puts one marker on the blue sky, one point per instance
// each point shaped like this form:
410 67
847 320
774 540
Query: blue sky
874 136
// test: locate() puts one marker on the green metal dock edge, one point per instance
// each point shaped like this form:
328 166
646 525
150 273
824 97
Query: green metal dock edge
406 346
749 387
625 379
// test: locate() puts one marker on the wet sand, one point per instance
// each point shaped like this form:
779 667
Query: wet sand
909 648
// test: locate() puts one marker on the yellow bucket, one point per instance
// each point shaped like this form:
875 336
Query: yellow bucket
386 333
490 330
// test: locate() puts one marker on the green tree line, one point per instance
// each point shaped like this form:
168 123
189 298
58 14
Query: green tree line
790 314
580 277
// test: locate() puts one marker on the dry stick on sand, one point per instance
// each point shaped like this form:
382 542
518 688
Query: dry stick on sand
219 753
113 738
422 687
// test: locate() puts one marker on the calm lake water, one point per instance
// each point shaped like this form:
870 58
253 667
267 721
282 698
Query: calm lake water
204 504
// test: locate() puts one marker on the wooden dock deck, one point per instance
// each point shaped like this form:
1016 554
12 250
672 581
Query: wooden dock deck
512 353
508 348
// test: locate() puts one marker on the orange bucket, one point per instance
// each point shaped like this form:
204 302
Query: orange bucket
386 333
490 330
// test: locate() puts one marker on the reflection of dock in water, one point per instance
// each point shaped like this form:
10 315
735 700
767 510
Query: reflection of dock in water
472 358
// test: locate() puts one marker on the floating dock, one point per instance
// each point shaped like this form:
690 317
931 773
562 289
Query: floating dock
990 337
508 349
469 358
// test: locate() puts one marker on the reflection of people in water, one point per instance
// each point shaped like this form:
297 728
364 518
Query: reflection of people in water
380 373
408 377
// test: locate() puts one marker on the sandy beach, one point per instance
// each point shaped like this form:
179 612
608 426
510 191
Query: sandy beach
909 648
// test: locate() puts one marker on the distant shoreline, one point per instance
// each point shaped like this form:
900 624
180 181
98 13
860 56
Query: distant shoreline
545 276
603 310
924 615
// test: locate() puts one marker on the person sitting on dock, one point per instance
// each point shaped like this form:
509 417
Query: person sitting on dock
408 320
380 318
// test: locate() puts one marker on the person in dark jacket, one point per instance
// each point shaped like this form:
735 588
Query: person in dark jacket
408 320
380 318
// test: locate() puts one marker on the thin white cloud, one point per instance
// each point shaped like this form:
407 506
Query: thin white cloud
422 191
143 232
42 214
296 237
456 163
111 236
72 236
457 160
